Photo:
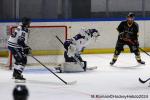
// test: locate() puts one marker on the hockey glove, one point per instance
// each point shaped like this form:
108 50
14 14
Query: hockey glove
27 50
131 42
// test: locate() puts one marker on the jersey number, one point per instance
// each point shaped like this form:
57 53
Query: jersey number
14 34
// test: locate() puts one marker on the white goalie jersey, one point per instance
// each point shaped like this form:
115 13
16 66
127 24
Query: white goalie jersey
18 39
74 47
81 40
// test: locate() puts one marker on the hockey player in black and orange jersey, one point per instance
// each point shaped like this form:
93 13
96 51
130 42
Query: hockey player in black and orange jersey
17 44
128 35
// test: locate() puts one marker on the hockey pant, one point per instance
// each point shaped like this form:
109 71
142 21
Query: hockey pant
20 58
133 49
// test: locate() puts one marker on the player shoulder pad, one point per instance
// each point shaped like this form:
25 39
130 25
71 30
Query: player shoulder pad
18 28
136 23
123 22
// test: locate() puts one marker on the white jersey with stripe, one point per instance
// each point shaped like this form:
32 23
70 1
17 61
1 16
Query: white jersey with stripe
18 33
81 40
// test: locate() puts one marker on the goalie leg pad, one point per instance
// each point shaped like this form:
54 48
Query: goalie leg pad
72 67
71 50
67 58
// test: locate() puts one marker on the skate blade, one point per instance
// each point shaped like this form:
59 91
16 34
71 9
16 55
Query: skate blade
91 68
19 81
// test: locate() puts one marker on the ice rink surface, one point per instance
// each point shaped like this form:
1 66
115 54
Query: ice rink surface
118 82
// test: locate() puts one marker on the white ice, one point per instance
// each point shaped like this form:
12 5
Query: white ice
120 79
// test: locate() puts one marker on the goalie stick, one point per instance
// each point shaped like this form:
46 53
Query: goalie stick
142 81
67 83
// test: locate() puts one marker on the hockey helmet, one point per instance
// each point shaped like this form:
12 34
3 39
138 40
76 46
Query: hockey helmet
20 92
26 21
131 15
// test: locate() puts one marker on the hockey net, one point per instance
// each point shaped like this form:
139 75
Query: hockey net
45 46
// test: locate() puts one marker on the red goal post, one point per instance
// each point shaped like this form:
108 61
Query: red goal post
43 41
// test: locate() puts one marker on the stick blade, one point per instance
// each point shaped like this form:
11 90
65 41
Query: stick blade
71 83
141 80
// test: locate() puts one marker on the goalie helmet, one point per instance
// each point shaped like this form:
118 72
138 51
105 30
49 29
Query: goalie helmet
90 32
26 21
94 33
20 92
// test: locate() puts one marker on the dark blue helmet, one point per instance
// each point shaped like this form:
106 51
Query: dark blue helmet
26 21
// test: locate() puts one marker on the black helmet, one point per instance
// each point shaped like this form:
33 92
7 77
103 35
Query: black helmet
131 14
26 21
20 92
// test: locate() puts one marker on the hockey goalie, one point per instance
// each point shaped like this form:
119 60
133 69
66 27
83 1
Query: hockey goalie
74 47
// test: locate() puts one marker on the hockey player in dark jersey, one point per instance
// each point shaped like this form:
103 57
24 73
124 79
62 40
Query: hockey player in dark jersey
128 35
17 44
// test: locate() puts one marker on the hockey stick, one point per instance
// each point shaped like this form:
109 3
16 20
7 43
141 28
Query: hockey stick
59 40
74 56
144 51
142 81
67 83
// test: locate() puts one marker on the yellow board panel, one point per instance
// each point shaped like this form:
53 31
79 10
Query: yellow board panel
60 52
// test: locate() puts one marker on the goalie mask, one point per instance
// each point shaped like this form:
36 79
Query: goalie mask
90 32
20 92
94 33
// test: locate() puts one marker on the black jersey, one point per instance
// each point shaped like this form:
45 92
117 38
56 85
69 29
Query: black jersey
130 30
